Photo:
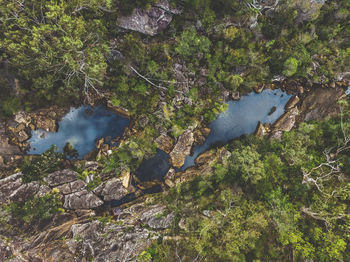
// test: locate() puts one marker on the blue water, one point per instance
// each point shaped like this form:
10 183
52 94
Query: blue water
154 168
80 127
242 118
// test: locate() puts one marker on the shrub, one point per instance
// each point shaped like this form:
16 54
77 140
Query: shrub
38 168
36 209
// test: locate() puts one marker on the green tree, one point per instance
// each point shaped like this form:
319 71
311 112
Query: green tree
57 46
290 66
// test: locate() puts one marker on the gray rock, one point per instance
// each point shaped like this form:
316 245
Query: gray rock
320 103
72 187
61 177
8 185
151 21
292 102
308 10
285 123
24 192
155 218
182 148
109 241
81 200
113 189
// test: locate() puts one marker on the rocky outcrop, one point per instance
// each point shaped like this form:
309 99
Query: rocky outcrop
308 10
149 21
8 152
61 177
182 148
106 242
293 101
9 185
81 200
165 143
285 123
113 189
320 103
261 130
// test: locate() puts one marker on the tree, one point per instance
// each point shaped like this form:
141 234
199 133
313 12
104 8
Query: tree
290 66
57 46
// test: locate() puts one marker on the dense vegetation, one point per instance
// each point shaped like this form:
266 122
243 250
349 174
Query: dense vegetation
270 200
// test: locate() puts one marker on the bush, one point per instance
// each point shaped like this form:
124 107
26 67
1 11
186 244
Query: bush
36 209
38 168
9 106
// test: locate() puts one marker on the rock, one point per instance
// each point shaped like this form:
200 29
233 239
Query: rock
165 143
204 158
301 90
6 149
284 123
165 5
343 77
72 187
22 136
199 139
61 177
260 130
24 192
81 200
126 178
182 148
113 189
155 218
308 10
170 177
292 102
259 89
151 21
9 185
205 131
99 143
236 96
320 103
108 242
46 123
272 110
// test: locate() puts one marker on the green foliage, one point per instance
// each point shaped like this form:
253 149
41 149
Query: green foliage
53 46
37 168
36 209
255 206
191 45
290 66
9 106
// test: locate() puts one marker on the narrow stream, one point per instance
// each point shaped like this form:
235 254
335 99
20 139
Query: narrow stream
241 118
80 127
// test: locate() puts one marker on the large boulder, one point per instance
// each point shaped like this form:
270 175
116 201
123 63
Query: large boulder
61 177
285 123
83 199
9 185
113 189
320 103
149 21
182 148
164 143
